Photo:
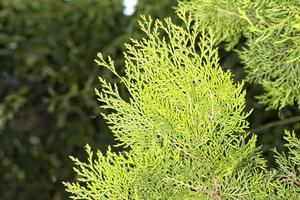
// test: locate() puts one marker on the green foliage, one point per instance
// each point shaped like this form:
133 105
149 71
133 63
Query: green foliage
184 126
221 16
288 178
47 75
272 57
272 52
48 109
45 53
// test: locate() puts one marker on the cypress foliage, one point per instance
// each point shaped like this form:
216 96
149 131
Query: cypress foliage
272 52
184 126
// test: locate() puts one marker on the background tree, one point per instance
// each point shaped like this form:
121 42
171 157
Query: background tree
48 108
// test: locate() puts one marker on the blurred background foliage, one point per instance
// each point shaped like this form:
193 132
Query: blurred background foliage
48 109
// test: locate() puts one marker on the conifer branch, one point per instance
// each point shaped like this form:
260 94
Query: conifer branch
276 123
214 192
271 53
178 146
292 178
179 94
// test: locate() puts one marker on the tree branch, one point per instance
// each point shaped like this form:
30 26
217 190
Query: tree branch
276 123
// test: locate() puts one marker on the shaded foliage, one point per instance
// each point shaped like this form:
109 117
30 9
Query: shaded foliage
48 108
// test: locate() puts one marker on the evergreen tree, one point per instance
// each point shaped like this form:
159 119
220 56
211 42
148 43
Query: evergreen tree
184 126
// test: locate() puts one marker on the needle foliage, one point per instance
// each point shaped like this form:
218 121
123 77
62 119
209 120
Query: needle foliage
272 51
184 126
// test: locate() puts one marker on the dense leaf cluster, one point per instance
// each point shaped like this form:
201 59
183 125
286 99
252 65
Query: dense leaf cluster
271 55
184 126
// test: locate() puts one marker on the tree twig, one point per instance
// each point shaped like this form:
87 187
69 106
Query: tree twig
276 123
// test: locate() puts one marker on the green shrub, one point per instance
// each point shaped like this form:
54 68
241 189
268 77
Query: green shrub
184 125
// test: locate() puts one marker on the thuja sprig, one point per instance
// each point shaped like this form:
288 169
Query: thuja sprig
272 52
184 126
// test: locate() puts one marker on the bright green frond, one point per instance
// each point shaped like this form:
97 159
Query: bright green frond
183 126
272 53
222 16
185 123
